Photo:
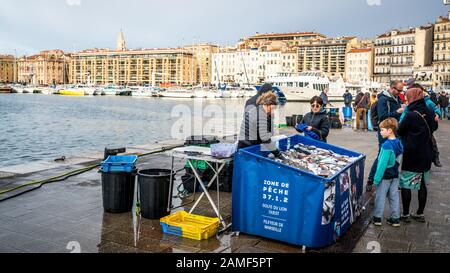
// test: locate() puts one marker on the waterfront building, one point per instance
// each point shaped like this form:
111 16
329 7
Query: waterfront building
48 67
441 58
157 67
359 65
382 52
399 53
231 65
289 62
203 54
246 66
326 55
8 69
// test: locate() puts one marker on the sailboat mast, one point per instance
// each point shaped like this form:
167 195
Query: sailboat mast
245 69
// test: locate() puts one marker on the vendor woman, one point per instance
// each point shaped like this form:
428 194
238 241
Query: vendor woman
316 123
257 127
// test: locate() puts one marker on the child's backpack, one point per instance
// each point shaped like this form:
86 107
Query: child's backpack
374 118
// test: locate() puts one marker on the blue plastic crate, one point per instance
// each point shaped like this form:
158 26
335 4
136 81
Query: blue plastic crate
276 201
177 231
119 164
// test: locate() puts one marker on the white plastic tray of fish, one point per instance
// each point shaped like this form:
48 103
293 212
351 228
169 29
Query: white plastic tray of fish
318 161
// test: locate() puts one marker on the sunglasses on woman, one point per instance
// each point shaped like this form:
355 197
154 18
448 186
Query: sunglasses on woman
316 106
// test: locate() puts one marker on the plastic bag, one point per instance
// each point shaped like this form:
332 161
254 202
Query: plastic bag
223 150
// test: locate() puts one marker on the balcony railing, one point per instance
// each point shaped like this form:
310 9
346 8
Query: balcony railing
402 63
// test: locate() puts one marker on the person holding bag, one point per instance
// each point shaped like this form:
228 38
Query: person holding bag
416 131
362 105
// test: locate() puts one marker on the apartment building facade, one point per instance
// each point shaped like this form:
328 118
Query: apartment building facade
8 69
359 65
327 55
49 67
441 55
203 54
399 53
156 67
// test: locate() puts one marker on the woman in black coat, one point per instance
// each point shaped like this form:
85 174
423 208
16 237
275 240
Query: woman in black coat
416 130
316 122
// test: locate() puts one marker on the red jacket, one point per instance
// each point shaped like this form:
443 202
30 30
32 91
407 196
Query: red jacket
402 97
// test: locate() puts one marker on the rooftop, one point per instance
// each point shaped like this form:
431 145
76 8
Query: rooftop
442 19
360 50
97 51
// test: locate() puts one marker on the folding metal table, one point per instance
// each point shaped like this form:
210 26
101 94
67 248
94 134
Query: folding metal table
191 153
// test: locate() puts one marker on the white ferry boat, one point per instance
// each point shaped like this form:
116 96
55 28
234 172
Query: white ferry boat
303 86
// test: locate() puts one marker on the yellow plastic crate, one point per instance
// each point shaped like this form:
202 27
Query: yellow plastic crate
190 226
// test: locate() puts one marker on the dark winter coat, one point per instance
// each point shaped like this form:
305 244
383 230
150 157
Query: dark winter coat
319 122
347 98
433 97
443 101
387 106
416 138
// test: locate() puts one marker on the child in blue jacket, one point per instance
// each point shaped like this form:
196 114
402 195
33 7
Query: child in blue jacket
386 177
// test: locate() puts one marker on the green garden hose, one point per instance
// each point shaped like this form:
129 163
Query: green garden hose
64 176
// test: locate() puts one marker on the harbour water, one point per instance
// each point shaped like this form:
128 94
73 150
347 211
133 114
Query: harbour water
39 127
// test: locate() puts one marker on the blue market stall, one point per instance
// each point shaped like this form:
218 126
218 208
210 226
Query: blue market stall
279 202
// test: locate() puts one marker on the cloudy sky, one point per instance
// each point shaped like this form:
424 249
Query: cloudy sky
29 26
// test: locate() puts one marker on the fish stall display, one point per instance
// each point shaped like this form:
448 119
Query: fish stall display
311 159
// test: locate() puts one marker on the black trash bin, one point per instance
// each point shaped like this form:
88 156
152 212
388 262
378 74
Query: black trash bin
118 191
289 121
154 187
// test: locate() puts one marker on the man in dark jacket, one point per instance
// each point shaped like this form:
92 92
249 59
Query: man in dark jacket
433 96
388 106
348 98
443 103
324 97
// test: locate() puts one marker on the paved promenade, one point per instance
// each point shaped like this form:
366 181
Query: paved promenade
49 218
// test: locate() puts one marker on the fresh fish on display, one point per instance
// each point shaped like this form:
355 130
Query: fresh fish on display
318 161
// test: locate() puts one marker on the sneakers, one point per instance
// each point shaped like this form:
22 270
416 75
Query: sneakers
395 222
406 218
377 221
418 217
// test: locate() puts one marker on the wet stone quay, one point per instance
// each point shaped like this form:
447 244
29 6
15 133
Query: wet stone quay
68 216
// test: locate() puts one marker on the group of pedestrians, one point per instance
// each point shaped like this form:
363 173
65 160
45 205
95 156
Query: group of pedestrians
406 145
407 149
